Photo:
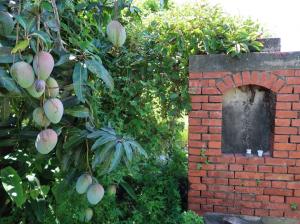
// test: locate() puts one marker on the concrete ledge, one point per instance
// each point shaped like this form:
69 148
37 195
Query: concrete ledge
220 218
249 61
271 44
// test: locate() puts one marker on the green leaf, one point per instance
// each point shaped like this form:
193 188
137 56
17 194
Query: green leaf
21 21
117 156
80 81
21 46
42 35
103 140
64 59
101 155
8 142
78 111
129 190
7 82
95 134
12 184
100 71
128 150
137 147
76 138
5 109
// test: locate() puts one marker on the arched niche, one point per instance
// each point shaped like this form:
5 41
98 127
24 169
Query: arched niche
248 114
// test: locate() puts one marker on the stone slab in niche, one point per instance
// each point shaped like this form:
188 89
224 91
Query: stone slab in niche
248 119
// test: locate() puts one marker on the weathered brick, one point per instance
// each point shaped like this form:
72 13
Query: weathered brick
295 138
294 155
210 91
236 167
198 129
280 154
198 186
281 138
198 114
212 106
277 199
214 130
249 190
215 114
293 80
285 114
249 175
276 176
237 79
285 146
288 97
285 130
283 106
241 159
212 122
250 168
279 169
265 169
199 99
214 145
214 74
227 174
213 137
261 212
215 99
279 184
279 192
293 185
280 162
197 75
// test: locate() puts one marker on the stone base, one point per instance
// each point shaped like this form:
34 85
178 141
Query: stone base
220 218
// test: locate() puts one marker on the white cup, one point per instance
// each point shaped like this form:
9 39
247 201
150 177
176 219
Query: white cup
248 151
260 153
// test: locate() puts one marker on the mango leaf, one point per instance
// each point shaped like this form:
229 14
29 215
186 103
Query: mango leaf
103 140
79 81
21 21
64 59
5 109
42 35
117 156
100 71
78 111
128 150
12 184
76 138
109 149
21 46
6 56
101 155
7 82
129 190
8 142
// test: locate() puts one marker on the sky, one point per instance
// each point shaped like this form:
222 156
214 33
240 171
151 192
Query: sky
281 18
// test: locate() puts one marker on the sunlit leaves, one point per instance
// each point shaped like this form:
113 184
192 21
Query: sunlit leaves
12 184
100 71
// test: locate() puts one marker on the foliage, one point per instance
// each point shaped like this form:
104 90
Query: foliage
139 89
191 217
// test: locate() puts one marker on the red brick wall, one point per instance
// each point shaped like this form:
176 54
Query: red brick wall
233 183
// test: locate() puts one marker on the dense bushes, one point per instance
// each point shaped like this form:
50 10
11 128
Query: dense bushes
146 100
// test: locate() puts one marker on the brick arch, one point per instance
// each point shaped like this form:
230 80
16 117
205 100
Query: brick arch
268 80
